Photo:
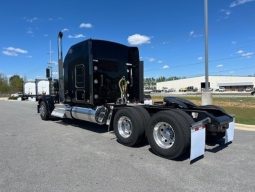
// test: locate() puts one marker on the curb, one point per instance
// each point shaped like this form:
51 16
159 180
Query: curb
245 127
4 98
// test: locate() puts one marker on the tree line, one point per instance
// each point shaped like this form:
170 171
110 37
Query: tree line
15 83
11 85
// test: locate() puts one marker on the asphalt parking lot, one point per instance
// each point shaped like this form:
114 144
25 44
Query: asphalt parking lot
38 155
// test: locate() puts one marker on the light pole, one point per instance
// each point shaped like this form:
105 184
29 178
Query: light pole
50 66
206 94
206 44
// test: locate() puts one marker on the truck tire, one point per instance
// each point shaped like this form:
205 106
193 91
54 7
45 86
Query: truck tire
145 117
44 112
168 134
189 122
128 126
185 116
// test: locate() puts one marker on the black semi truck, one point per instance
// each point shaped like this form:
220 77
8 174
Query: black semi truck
102 82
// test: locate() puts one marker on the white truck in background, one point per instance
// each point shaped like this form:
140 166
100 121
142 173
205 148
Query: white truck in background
36 88
42 87
29 88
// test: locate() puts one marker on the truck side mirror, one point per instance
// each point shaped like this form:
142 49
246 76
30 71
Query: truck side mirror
48 73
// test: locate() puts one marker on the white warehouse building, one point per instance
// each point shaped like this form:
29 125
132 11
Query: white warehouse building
229 83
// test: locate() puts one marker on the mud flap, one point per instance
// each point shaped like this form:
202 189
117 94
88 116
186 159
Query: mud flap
229 136
197 146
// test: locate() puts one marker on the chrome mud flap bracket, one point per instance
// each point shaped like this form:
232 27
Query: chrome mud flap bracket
197 146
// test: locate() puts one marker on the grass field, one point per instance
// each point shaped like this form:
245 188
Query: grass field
242 107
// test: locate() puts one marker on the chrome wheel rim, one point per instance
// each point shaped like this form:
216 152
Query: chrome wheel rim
124 126
164 135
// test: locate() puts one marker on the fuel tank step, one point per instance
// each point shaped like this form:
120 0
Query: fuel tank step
59 111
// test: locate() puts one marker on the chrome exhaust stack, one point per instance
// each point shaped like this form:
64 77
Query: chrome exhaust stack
60 68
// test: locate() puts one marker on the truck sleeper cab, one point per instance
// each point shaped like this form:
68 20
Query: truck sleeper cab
93 69
103 84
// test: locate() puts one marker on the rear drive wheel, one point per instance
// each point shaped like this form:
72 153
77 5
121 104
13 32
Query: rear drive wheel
187 117
168 134
128 126
189 122
44 112
145 118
